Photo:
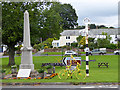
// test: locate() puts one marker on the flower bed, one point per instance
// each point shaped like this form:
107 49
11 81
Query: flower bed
49 77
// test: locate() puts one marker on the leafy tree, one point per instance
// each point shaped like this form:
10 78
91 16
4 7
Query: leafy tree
118 45
102 27
68 15
92 26
47 43
91 39
79 38
111 27
111 46
51 25
74 44
80 27
103 42
91 43
82 42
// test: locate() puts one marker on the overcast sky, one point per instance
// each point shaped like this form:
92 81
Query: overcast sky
103 12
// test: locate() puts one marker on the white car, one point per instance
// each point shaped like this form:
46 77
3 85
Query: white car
117 52
70 52
101 51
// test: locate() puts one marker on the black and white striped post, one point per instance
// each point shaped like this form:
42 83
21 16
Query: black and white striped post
87 21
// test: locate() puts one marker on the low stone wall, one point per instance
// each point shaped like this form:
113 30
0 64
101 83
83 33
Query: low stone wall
110 50
74 49
60 50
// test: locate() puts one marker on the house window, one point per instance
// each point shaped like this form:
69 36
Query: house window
67 37
74 42
57 44
68 44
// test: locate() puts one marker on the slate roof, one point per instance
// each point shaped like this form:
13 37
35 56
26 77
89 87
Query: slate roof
91 32
99 31
70 33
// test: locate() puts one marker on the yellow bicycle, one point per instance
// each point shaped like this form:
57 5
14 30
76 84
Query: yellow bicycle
72 73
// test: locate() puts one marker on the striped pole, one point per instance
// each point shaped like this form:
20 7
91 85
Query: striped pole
86 20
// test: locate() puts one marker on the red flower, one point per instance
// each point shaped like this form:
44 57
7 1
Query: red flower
15 78
4 78
29 78
53 74
39 77
18 77
45 77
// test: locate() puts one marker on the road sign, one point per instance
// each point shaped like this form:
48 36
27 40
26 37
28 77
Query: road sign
66 60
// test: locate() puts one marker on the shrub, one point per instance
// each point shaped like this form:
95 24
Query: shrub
48 66
68 47
74 44
41 70
64 46
3 71
51 46
59 47
111 46
45 47
35 47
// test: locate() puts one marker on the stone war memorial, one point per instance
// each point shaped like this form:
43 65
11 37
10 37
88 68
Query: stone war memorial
26 59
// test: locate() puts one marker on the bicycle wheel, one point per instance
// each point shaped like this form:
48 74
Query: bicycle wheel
63 74
80 74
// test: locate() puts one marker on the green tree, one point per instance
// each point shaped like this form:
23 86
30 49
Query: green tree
102 27
81 41
92 26
74 45
51 25
80 27
79 38
48 42
91 43
103 42
111 27
67 13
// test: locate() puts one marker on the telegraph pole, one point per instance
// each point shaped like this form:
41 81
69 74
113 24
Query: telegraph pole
87 21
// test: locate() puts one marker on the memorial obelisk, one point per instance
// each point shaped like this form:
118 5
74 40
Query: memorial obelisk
26 58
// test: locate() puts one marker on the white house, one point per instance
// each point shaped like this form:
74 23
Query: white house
70 36
67 37
97 33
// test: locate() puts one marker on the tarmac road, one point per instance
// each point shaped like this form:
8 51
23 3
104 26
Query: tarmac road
68 55
67 86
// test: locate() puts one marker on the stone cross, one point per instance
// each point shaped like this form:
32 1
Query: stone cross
26 58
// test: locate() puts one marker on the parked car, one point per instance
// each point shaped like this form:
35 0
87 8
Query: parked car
98 51
70 52
117 52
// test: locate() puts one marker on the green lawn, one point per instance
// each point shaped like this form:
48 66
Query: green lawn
96 74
